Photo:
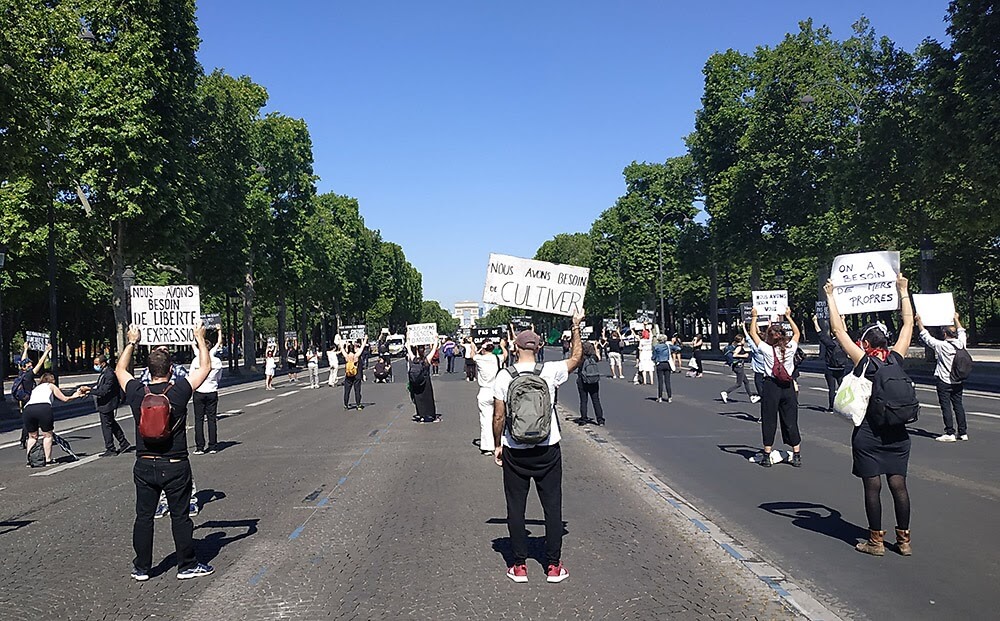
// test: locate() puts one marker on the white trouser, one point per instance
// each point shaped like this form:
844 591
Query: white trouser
485 399
333 375
313 375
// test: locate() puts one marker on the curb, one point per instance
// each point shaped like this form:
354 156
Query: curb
795 598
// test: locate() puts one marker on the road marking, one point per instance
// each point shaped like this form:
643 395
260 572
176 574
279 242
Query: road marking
256 578
56 469
261 402
290 392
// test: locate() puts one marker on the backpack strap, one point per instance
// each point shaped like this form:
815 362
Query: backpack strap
513 372
538 368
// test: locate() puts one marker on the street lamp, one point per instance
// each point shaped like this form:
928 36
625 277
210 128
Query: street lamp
728 288
3 342
670 305
232 299
779 276
808 99
927 265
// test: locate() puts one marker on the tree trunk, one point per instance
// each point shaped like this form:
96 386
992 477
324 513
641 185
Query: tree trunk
755 276
281 326
970 295
120 297
713 307
249 343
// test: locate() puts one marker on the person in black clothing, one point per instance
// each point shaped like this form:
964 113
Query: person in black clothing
836 361
106 394
593 390
292 361
163 466
24 384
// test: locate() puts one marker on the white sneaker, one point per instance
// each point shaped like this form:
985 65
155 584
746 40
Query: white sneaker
964 437
725 397
755 399
946 437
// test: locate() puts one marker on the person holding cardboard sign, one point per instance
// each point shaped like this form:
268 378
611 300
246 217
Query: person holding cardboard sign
879 450
949 384
779 400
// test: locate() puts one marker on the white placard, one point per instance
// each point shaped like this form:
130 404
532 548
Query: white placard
535 285
291 336
166 315
865 282
422 334
37 341
935 309
770 303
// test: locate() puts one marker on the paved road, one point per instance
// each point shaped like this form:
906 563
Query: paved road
808 520
311 511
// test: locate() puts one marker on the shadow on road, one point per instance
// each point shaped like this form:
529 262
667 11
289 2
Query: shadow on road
750 418
743 450
921 433
818 519
11 526
536 545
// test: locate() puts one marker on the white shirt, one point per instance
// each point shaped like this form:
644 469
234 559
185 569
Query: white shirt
331 357
211 383
312 359
767 353
487 368
40 394
554 374
944 351
269 364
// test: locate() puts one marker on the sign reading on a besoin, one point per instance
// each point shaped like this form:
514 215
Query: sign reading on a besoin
535 285
865 282
422 334
166 315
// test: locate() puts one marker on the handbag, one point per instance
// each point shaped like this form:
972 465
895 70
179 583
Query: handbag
853 396
693 364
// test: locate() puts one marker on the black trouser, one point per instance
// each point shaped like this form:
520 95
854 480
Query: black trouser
594 390
355 384
833 379
663 380
206 405
451 363
24 428
950 397
741 381
779 402
697 360
758 382
112 430
544 465
152 476
470 369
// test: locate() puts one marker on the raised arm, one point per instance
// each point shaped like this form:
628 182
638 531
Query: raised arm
122 372
796 334
816 324
902 345
43 358
754 328
839 329
199 375
430 354
576 354
503 349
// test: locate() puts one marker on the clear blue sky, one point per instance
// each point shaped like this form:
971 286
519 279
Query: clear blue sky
465 128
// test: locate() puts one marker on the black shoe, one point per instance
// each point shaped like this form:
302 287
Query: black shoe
600 422
360 407
583 421
109 453
797 460
766 460
124 447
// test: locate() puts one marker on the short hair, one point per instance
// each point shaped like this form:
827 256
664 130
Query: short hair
159 363
47 378
950 332
101 358
588 349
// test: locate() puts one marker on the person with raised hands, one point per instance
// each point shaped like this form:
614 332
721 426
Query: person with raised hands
879 449
779 400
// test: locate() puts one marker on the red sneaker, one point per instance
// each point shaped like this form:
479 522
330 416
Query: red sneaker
518 573
556 573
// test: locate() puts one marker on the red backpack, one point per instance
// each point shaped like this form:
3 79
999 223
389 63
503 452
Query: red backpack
154 416
778 370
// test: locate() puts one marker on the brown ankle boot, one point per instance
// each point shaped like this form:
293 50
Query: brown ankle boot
903 542
874 545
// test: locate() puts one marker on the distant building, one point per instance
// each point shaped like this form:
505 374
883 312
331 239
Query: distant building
467 313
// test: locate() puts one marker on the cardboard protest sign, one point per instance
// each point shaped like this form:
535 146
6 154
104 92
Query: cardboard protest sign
212 321
493 335
935 309
644 315
422 334
865 282
37 341
353 333
291 336
822 310
521 322
166 315
770 303
611 325
272 341
746 312
535 285
636 326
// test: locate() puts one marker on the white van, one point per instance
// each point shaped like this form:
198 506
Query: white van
397 344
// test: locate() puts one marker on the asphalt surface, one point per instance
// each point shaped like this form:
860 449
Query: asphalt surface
807 520
310 511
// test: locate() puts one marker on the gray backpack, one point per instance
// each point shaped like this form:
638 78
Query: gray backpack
529 406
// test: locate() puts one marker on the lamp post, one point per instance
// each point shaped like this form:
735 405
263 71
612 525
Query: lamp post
3 341
779 276
855 99
232 299
128 281
728 288
670 306
927 284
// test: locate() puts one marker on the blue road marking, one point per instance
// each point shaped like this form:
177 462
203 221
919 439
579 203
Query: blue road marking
323 502
780 590
342 481
732 551
257 577
295 533
700 525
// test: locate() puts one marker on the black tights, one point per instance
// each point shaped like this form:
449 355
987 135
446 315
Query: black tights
900 500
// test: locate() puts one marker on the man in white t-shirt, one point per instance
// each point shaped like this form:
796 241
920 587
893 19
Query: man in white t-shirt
488 366
542 461
206 401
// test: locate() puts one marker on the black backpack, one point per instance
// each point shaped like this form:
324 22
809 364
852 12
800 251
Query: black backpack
417 374
894 397
22 387
961 365
590 373
36 456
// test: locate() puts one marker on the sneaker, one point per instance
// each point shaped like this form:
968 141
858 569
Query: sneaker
796 460
600 423
725 397
765 460
964 437
659 400
198 571
755 399
518 573
360 407
139 575
670 399
193 509
212 450
556 573
124 447
199 451
109 453
161 510
946 437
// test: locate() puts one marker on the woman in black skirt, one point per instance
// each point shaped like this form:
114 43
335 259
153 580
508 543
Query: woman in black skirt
420 386
879 450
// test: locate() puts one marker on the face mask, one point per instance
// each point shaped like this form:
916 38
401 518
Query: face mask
98 368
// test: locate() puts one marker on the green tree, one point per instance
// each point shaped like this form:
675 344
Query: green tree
431 312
